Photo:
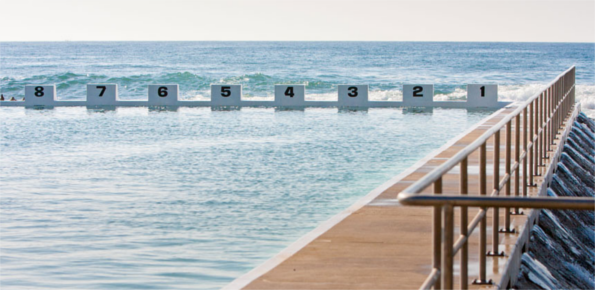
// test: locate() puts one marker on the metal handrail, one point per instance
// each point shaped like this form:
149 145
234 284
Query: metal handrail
432 278
578 203
438 172
542 117
448 202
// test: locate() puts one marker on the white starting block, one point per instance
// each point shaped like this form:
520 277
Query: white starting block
353 95
287 95
163 95
482 95
226 95
290 95
99 95
418 95
40 95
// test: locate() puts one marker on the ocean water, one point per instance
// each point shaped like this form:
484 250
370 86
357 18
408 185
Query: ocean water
134 198
521 69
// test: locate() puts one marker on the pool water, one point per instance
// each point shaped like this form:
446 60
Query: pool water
194 198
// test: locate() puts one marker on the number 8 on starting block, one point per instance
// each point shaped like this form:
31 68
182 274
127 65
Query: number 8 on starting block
40 95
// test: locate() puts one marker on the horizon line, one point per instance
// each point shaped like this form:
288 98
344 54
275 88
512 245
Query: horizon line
428 41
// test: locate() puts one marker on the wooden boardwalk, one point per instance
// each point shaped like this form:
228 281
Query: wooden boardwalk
376 244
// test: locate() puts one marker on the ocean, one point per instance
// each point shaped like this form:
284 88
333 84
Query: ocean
520 69
135 198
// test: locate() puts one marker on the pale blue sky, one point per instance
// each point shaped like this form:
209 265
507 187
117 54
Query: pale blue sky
388 20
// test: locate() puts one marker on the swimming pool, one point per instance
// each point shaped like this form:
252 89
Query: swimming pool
134 198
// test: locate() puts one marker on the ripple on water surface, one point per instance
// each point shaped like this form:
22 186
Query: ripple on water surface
187 199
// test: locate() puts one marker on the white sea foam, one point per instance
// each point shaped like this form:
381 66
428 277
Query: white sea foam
585 94
329 97
458 94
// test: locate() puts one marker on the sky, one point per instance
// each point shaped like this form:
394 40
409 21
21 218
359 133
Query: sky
287 20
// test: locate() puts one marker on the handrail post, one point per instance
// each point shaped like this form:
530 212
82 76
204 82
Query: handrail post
558 98
496 181
562 95
517 153
553 114
573 76
436 243
559 106
483 226
525 151
464 188
532 136
565 106
542 126
556 111
546 113
562 113
549 119
538 134
561 102
447 251
507 170
566 97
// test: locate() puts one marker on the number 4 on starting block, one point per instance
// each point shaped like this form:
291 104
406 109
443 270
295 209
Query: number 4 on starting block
290 95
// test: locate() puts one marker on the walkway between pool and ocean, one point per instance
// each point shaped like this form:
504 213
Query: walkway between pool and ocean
378 243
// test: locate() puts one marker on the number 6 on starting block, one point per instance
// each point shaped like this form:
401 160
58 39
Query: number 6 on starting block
163 95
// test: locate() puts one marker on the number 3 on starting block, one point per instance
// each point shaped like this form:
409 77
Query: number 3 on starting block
353 95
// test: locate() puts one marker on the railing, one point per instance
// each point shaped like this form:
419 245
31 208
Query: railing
536 122
446 204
